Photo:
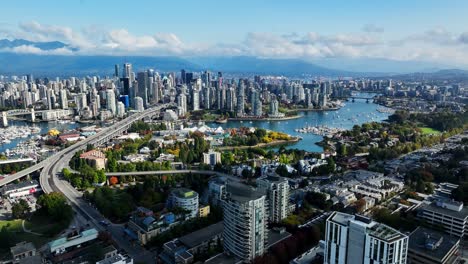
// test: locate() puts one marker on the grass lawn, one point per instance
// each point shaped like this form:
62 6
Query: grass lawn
428 130
12 225
43 225
17 235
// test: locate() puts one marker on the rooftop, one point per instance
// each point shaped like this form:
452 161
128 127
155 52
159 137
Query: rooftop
23 184
341 218
385 232
195 238
242 192
463 214
430 242
184 193
63 240
22 247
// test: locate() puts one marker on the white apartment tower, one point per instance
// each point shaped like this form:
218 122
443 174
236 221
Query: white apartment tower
245 221
110 101
356 239
277 192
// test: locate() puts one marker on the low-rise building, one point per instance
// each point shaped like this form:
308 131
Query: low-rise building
183 249
452 215
116 259
24 252
72 240
185 199
143 225
203 211
427 246
95 158
20 189
212 158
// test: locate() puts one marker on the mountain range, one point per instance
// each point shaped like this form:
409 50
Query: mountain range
12 62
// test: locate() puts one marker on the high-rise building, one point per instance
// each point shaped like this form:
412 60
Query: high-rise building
182 104
196 99
138 102
206 98
256 103
241 100
142 90
63 99
230 99
245 233
274 106
358 239
110 101
127 71
277 192
116 70
120 109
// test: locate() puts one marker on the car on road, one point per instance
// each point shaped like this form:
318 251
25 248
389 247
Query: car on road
104 223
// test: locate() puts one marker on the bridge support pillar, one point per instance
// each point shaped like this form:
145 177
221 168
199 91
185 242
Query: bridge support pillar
33 115
4 119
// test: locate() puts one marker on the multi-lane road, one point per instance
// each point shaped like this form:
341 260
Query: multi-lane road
87 214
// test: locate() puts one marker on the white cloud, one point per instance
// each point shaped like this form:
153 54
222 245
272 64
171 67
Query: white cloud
29 49
433 45
40 32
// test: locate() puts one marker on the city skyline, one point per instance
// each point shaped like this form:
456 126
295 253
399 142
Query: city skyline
311 31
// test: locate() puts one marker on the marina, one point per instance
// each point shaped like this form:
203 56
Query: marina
352 113
320 130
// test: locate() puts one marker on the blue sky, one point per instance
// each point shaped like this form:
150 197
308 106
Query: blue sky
308 29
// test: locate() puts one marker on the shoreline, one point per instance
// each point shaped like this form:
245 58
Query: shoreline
262 119
262 145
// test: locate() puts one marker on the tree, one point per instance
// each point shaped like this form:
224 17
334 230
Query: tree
461 193
6 238
282 170
66 173
360 205
55 205
20 209
113 180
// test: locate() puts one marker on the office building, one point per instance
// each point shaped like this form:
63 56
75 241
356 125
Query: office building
452 215
245 221
427 246
185 199
277 192
358 239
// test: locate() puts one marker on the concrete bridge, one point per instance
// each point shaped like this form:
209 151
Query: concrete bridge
61 158
31 113
165 172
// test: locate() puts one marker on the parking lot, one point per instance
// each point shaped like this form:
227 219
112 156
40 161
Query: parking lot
6 204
